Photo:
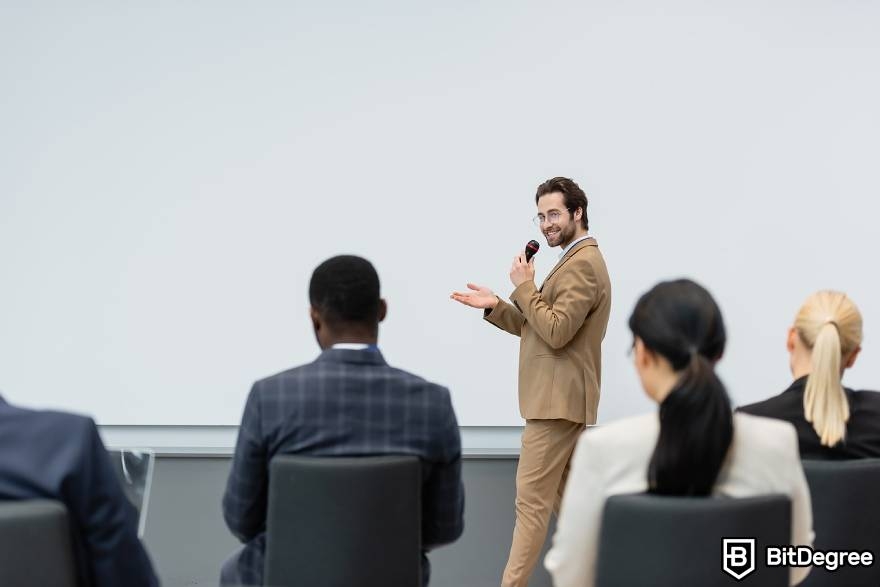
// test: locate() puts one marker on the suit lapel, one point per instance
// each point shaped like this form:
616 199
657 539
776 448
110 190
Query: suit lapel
587 242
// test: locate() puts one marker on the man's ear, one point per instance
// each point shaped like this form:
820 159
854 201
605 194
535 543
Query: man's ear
315 317
383 309
851 359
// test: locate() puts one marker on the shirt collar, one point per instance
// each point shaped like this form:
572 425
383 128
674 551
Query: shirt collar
356 346
571 244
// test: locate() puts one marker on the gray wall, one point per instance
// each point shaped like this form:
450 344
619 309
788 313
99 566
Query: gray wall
188 540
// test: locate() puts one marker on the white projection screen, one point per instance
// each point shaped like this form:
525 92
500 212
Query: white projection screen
172 172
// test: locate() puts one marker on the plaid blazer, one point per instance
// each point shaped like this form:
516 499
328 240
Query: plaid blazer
345 403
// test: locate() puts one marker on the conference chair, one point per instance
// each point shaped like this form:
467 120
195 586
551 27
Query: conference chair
338 522
35 545
663 541
846 516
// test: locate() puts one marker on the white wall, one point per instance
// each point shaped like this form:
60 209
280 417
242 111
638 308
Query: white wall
171 173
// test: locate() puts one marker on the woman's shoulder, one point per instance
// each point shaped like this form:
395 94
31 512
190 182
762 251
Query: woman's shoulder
763 454
754 426
865 396
788 402
619 431
768 437
625 439
617 454
864 410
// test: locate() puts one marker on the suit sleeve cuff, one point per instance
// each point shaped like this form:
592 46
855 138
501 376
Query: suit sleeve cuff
522 293
492 314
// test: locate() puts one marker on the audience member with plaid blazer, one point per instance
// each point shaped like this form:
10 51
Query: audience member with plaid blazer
348 402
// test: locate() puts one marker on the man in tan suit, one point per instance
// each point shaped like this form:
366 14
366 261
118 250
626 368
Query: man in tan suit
561 326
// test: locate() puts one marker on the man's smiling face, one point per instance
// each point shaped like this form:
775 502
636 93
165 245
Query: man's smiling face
558 224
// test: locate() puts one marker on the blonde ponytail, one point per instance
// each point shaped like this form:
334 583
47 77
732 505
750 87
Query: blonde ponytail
830 325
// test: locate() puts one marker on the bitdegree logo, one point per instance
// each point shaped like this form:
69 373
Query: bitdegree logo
805 556
738 558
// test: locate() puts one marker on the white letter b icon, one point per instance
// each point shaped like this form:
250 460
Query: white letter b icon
739 556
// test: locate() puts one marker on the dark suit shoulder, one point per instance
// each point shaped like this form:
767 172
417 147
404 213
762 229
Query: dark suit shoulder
417 384
865 398
47 424
283 381
413 379
773 407
864 408
286 374
45 447
311 369
337 377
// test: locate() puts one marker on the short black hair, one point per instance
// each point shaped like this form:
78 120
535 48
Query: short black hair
345 290
572 194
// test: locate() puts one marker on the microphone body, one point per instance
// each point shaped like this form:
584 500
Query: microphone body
531 248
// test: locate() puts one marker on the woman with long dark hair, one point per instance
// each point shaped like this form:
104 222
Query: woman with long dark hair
694 446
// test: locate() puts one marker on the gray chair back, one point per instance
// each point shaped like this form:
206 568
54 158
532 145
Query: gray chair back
35 545
339 522
673 541
845 517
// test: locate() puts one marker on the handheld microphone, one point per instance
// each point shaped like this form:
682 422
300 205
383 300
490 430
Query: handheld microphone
531 248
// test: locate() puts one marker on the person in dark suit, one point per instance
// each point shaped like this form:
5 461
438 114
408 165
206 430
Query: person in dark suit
347 402
832 421
60 456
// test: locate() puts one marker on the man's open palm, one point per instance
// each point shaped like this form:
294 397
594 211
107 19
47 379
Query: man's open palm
479 297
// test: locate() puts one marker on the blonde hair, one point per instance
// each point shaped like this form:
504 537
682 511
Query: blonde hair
830 325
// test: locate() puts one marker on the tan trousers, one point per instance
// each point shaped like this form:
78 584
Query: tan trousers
547 446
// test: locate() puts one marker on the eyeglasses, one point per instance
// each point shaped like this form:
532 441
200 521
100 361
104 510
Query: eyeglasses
553 217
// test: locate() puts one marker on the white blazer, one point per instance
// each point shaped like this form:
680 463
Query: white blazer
613 459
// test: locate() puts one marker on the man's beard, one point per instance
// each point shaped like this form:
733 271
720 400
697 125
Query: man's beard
563 236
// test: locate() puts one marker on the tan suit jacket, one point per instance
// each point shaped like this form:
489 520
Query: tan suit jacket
561 327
